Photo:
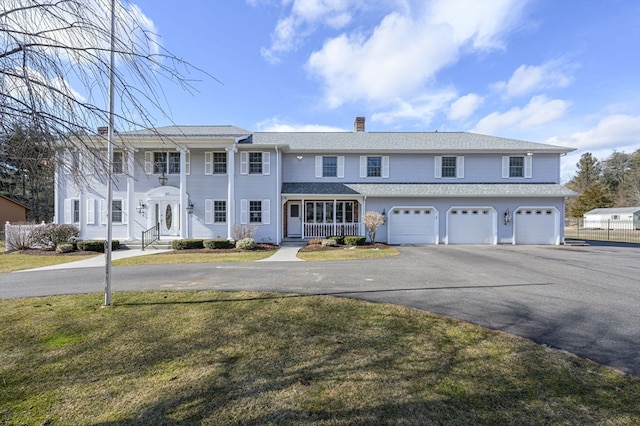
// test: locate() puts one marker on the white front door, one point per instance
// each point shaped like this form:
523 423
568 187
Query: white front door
167 215
294 220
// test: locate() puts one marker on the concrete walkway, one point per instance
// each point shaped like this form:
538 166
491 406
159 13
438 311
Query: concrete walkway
286 253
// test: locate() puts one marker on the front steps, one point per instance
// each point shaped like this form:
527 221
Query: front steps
137 245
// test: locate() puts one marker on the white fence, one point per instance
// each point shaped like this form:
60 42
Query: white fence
17 235
321 230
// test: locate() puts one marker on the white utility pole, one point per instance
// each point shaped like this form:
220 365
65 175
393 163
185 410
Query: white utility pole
108 243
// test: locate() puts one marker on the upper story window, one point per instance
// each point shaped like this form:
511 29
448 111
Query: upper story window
517 166
451 167
158 162
374 166
215 163
118 162
255 163
329 166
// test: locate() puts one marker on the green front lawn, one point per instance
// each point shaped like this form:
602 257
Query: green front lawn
216 358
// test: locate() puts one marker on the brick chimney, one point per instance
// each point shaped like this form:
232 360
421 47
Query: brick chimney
103 130
358 125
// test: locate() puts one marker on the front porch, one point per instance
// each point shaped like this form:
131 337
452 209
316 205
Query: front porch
305 219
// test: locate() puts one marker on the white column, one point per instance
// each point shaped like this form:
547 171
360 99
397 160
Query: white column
231 151
183 191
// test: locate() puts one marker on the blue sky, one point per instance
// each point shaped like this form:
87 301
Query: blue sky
562 72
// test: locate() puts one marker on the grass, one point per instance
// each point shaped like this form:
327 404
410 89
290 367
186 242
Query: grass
348 253
193 257
254 358
10 262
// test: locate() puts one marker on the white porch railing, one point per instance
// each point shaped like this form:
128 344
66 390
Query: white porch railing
321 230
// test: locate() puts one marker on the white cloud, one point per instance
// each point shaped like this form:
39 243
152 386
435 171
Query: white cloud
422 108
465 106
291 30
540 110
529 79
277 125
408 48
612 132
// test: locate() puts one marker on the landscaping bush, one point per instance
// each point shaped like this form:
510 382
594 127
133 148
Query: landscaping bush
218 243
97 245
354 240
240 232
329 242
52 234
187 244
246 244
314 241
64 248
337 238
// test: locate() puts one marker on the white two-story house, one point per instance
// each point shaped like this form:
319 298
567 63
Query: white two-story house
432 187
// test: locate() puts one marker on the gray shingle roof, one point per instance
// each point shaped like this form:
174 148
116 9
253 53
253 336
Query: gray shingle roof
429 190
435 142
614 210
189 131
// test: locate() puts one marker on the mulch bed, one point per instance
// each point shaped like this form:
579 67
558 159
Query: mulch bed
320 247
36 252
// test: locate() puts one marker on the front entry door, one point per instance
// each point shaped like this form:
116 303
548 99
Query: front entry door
166 213
294 220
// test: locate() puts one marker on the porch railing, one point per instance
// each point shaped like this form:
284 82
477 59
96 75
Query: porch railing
322 230
150 235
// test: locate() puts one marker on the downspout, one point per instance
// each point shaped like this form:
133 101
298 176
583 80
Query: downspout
364 209
278 197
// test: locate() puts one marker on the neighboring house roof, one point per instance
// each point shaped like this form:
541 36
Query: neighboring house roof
614 210
429 190
394 142
14 202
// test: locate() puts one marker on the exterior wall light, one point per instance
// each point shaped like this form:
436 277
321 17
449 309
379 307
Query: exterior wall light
140 208
190 207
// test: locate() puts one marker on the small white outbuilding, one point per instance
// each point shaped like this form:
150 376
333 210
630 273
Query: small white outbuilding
613 218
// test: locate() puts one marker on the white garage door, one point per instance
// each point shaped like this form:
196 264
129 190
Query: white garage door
536 226
413 225
471 225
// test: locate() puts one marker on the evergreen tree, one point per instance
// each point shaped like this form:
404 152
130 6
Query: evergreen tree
595 196
588 173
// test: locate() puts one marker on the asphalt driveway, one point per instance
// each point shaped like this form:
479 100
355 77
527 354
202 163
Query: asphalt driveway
585 300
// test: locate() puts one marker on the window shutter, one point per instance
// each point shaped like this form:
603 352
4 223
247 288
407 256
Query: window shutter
437 169
505 166
528 167
266 212
318 166
244 163
266 163
385 166
67 161
67 210
243 212
363 166
103 212
91 211
125 212
208 163
460 167
187 165
148 162
208 211
341 166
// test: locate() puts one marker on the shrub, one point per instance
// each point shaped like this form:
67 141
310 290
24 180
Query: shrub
314 241
339 239
329 242
218 243
97 245
52 234
64 248
354 240
246 244
17 236
240 232
187 244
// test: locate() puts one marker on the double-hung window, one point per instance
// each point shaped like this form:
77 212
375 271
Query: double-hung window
517 166
449 167
118 162
158 162
116 211
255 163
329 166
219 211
215 163
374 166
255 211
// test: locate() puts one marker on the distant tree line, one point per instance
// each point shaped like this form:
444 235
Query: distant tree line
612 182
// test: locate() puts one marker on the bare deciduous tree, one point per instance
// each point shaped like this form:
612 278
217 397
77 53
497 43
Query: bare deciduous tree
372 222
55 66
